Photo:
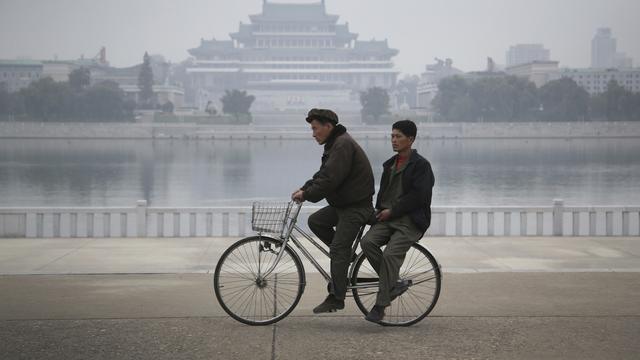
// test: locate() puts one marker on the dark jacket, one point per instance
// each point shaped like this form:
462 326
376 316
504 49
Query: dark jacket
345 177
417 184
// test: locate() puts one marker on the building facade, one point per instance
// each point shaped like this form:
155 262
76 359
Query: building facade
428 84
538 72
18 74
595 80
127 78
526 53
292 57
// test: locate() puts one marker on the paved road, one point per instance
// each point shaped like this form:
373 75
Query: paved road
199 255
534 298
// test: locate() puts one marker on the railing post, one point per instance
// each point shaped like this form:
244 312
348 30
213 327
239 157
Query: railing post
558 206
141 217
225 224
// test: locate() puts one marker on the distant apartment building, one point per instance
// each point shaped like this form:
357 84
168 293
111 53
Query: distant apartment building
18 74
604 53
538 72
526 53
595 80
292 56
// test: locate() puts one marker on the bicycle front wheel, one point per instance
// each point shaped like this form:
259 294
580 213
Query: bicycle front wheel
246 293
422 274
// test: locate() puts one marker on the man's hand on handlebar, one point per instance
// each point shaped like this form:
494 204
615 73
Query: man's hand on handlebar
298 196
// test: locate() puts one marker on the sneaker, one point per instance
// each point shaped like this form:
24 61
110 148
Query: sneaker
330 304
376 314
399 289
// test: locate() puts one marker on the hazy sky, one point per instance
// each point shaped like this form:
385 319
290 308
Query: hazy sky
465 30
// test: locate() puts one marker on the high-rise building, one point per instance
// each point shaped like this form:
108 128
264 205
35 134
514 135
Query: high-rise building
526 53
292 56
603 49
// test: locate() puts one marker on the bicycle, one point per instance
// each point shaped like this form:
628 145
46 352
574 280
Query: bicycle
260 279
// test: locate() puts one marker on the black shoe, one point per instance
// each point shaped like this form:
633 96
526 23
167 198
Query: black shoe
330 304
376 314
399 289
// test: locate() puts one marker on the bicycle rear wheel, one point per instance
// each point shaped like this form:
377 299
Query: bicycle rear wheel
243 290
419 269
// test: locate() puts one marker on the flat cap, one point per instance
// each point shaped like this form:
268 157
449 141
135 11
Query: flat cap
323 115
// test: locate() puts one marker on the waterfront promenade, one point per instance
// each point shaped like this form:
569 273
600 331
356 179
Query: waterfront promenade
151 298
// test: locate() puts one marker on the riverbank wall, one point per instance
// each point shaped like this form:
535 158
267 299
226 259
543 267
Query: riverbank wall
31 130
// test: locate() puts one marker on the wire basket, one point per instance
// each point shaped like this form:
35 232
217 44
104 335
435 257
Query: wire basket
270 217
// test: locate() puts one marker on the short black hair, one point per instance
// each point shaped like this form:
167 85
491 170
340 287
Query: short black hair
407 127
322 115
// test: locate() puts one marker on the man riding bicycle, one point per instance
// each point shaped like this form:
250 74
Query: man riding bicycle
345 180
403 212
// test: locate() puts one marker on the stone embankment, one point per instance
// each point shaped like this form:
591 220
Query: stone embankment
259 131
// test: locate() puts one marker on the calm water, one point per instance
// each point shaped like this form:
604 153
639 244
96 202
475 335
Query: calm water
201 173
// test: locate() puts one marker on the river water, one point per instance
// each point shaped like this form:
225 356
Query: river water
236 172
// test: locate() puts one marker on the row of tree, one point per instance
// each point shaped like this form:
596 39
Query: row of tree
459 99
515 99
73 100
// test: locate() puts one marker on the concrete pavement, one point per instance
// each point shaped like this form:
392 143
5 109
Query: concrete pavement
200 255
502 298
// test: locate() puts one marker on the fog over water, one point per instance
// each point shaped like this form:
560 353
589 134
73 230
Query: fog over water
207 173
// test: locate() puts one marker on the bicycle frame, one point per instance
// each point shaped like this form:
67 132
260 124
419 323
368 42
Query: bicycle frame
287 235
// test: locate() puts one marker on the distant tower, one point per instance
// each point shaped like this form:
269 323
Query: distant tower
603 49
103 55
491 65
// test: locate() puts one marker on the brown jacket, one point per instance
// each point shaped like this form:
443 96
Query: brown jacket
345 177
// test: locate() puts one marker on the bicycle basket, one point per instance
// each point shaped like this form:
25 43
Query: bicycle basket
270 217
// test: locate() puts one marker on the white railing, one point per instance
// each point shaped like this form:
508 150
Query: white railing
144 221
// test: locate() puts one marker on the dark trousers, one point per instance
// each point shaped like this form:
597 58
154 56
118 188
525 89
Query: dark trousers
338 227
398 235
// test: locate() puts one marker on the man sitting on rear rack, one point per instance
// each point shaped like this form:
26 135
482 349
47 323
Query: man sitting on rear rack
403 212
